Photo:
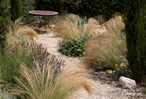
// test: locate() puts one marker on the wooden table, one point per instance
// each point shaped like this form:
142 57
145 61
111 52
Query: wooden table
42 16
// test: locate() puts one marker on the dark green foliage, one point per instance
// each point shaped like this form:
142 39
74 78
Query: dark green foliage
87 8
4 19
17 9
10 60
121 71
136 37
105 8
47 5
73 47
29 5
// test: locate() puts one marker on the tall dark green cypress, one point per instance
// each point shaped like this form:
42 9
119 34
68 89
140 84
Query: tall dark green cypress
136 37
17 9
4 19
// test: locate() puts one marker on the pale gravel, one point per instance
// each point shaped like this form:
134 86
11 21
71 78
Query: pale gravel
100 90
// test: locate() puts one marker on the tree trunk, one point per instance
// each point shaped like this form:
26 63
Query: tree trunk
136 37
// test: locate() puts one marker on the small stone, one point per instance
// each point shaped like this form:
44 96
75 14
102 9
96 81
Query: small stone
127 82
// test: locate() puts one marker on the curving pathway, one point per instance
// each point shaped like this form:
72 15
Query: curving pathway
100 90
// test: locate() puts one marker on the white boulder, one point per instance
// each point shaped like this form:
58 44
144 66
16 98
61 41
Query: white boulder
127 82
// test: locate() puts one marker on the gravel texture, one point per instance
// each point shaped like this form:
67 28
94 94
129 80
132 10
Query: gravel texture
101 89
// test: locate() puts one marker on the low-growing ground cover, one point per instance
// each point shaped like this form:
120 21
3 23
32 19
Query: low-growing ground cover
73 47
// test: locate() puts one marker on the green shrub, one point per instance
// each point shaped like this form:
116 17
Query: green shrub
136 37
11 58
17 9
106 8
121 70
73 47
4 19
87 8
28 6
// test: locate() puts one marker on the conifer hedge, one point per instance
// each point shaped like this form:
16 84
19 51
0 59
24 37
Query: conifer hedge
4 19
88 8
135 13
17 9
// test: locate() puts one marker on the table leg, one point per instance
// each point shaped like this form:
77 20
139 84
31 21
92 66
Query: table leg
47 22
41 21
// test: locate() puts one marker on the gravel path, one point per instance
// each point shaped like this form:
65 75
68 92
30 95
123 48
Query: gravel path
101 90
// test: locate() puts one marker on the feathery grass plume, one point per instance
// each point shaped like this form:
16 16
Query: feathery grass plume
67 28
73 26
73 17
115 24
18 32
39 82
12 57
14 26
105 51
27 32
25 53
93 21
93 28
75 77
11 36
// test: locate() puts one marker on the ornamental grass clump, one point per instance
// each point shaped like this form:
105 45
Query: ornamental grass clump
105 51
67 28
17 32
11 58
16 51
28 55
74 78
73 26
115 25
24 53
40 82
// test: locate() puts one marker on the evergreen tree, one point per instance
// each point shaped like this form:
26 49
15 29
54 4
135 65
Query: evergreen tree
4 19
136 37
